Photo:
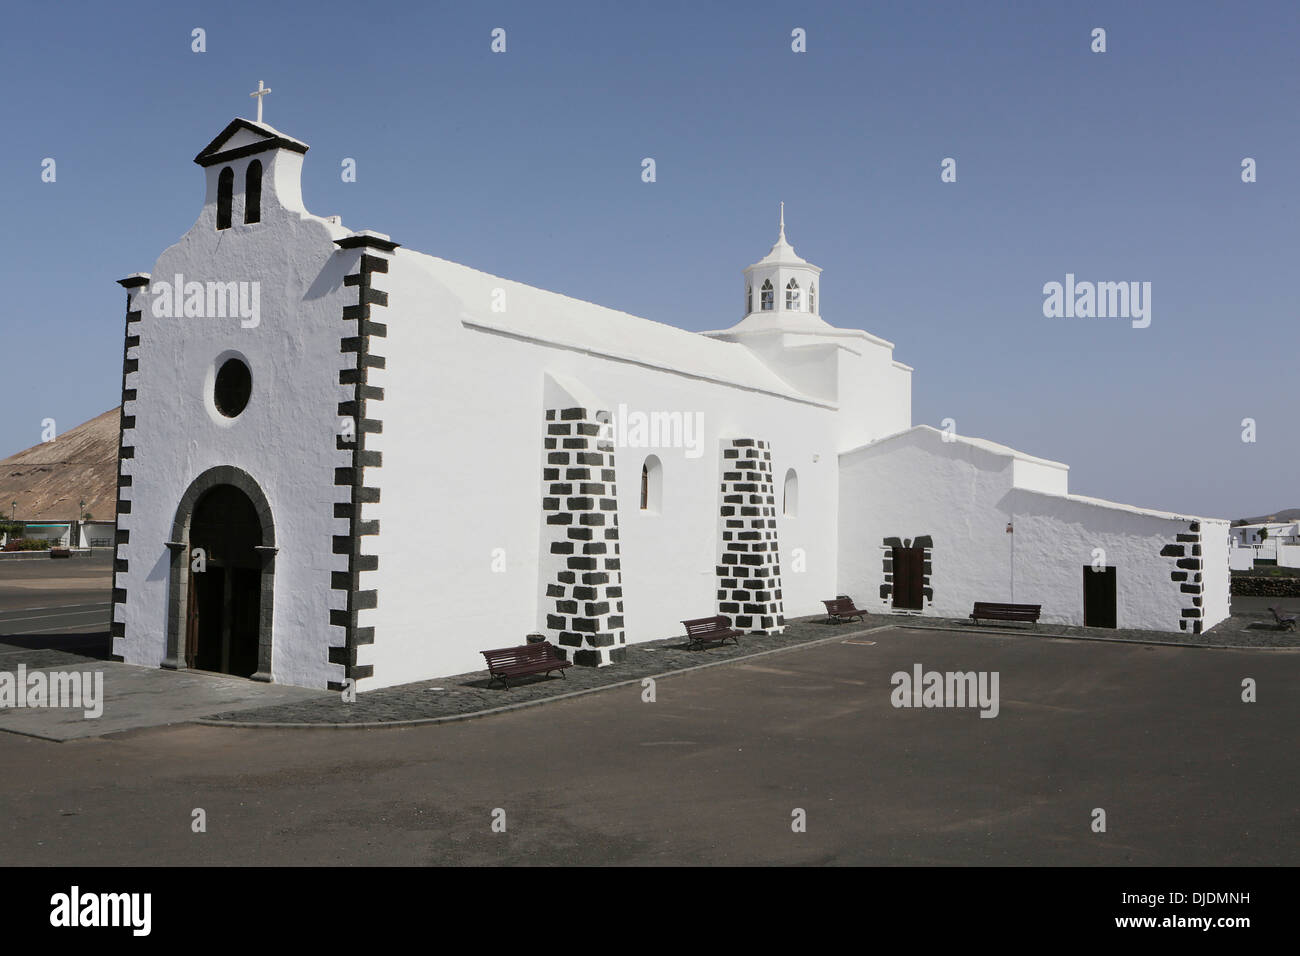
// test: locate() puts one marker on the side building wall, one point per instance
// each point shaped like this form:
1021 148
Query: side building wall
986 540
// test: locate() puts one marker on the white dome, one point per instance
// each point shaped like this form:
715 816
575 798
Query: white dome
782 288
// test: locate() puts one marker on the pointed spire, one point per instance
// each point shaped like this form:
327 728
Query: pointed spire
782 237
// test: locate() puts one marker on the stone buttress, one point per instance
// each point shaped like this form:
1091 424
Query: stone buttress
579 565
749 567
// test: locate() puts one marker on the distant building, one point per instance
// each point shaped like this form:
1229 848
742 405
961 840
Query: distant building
1265 542
50 487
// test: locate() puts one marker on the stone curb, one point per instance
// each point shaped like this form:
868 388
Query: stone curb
1087 637
374 724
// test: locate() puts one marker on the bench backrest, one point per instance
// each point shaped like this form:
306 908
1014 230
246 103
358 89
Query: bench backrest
840 604
707 625
524 654
1007 608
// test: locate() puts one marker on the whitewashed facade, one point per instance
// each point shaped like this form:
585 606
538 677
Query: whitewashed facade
381 462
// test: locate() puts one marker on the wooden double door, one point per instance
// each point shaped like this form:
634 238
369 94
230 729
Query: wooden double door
223 612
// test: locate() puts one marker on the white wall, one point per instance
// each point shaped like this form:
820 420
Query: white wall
1061 535
917 485
462 442
1288 555
962 496
1216 578
1042 476
96 531
874 394
1241 559
285 438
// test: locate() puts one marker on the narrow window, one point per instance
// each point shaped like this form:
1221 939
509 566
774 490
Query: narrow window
790 501
652 479
792 296
749 299
766 295
253 192
812 299
225 194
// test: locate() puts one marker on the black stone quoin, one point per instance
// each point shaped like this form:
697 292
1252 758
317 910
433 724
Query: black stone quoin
363 462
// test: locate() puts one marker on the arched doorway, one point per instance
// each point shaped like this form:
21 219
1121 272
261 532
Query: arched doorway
221 619
222 577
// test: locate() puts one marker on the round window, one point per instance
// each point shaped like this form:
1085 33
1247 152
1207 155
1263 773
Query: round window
233 386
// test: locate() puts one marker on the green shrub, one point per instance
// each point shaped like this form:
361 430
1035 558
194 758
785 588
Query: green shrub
28 544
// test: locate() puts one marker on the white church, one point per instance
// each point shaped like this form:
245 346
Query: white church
343 459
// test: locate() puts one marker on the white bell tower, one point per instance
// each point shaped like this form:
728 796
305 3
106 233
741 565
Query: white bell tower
781 284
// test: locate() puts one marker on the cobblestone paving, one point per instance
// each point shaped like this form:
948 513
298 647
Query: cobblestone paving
470 693
41 658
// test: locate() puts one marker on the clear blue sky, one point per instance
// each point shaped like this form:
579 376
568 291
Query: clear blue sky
1116 166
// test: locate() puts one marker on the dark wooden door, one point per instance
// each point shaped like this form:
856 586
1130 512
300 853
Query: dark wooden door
245 599
1098 597
191 620
909 565
211 616
226 596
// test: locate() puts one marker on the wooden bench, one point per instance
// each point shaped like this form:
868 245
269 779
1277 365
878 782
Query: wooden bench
507 662
842 609
1283 623
1025 613
710 630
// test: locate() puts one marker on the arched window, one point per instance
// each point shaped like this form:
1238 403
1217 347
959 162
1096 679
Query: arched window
225 195
765 294
812 299
749 299
790 501
792 296
253 192
652 484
